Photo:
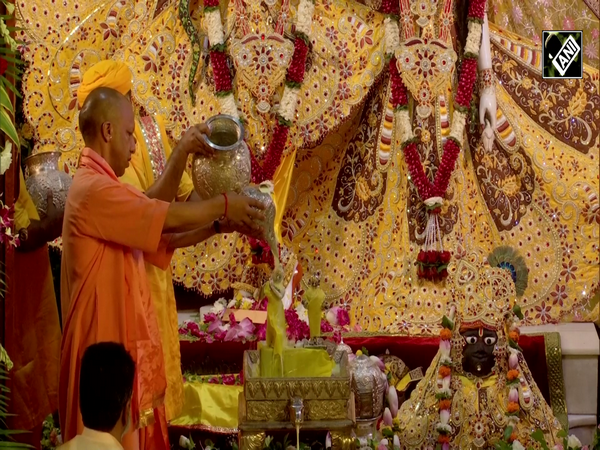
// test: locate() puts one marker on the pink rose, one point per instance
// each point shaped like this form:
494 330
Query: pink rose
326 327
261 332
229 380
210 317
332 315
343 318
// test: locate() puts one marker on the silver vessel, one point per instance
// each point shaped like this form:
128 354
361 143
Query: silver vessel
41 176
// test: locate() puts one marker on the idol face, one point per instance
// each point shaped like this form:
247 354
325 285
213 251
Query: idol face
478 353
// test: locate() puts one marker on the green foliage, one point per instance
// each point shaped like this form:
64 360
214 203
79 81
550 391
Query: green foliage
6 435
10 54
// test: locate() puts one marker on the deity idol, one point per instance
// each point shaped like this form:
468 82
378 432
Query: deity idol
478 385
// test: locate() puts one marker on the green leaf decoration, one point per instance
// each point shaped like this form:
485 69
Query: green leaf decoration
8 127
508 432
538 436
5 100
447 323
364 351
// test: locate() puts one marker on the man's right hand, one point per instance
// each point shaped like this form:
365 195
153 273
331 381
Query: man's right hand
243 210
193 141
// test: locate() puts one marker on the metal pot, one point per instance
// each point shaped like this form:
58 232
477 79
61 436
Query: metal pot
368 384
42 175
229 168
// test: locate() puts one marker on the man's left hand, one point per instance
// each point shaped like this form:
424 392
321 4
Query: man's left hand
193 141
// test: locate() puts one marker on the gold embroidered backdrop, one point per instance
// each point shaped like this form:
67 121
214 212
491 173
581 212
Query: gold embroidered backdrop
350 197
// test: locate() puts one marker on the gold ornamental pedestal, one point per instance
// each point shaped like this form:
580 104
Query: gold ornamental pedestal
270 405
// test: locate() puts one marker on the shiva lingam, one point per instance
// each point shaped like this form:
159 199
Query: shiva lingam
283 404
229 168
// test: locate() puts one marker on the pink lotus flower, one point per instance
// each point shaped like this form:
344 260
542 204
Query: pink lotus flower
513 361
513 395
240 331
445 446
378 362
392 398
387 417
445 346
215 325
396 442
220 334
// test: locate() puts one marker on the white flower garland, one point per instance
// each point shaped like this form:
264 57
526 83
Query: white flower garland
228 106
458 125
306 9
287 105
406 132
474 37
392 35
216 36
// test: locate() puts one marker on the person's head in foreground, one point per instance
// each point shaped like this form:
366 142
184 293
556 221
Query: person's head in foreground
106 388
107 124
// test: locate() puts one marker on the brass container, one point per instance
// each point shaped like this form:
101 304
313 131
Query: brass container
229 169
269 400
368 386
41 176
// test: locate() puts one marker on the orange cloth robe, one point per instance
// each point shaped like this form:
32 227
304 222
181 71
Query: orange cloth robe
109 230
33 329
147 164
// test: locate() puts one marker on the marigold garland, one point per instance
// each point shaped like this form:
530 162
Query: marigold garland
444 393
294 79
432 263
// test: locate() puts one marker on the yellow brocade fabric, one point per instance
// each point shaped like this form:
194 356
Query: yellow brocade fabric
210 406
537 190
140 174
297 363
282 181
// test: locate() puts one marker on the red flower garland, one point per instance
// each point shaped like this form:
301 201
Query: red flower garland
432 264
295 77
222 76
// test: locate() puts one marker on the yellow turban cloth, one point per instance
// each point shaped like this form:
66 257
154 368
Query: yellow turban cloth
108 73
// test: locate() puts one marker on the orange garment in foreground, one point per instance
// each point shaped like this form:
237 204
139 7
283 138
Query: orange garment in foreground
109 230
33 329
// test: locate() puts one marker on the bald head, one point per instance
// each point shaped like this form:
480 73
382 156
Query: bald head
106 123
